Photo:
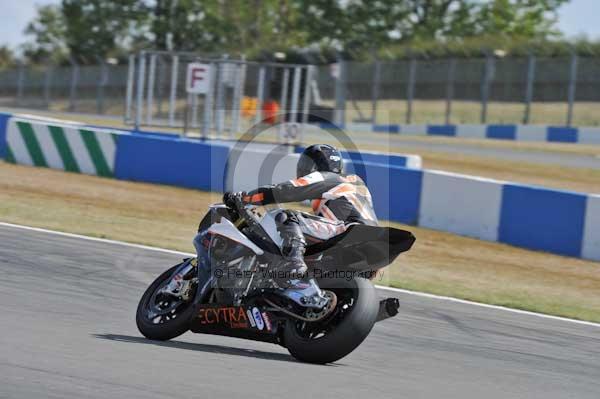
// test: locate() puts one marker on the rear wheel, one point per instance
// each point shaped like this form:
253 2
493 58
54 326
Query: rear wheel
339 334
162 316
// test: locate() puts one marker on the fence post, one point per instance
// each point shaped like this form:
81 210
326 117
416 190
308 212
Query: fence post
140 90
220 106
47 84
295 95
529 88
284 97
101 85
238 93
20 83
150 94
208 100
410 88
450 89
173 93
340 93
572 87
375 92
129 90
260 95
485 86
306 104
73 85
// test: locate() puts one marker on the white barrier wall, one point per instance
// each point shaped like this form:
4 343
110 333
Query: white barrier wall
531 133
461 204
591 234
471 131
252 166
589 135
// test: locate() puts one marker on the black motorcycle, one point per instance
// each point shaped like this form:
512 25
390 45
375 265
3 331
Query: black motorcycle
233 288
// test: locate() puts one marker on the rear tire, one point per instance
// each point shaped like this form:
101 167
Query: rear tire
168 329
345 336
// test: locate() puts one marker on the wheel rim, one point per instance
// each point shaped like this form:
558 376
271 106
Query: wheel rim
313 331
162 308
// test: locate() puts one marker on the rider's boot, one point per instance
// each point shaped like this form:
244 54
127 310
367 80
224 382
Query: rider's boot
294 245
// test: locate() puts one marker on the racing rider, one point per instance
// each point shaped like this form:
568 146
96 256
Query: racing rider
334 196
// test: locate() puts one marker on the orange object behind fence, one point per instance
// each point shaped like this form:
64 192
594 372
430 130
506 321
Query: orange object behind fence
249 105
270 111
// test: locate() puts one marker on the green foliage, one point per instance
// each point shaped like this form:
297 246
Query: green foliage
7 57
48 30
87 29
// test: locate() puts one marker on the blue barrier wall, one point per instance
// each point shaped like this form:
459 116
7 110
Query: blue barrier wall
585 135
441 130
501 132
396 191
178 162
3 124
530 217
543 219
562 134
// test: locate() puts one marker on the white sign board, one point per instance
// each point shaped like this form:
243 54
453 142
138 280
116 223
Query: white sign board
198 78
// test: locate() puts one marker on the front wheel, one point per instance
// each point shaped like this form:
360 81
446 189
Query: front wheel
161 316
347 327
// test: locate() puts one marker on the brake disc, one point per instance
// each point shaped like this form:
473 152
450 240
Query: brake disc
313 315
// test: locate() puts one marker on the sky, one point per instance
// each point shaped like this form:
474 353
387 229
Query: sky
579 17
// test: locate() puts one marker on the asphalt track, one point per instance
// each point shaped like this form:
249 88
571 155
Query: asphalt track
67 315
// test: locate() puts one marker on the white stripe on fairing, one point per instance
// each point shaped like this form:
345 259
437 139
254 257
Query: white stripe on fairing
591 234
17 144
397 290
48 147
107 145
531 133
80 152
471 131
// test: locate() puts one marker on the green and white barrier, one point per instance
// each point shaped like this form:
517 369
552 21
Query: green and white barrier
73 148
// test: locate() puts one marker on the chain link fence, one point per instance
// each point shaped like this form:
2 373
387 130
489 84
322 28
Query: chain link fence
558 91
95 89
530 90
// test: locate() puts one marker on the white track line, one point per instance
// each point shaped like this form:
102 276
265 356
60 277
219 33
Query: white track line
397 290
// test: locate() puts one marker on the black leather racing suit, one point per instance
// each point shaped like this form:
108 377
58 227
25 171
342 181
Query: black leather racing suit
335 197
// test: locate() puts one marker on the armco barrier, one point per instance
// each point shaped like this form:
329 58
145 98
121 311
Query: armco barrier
556 221
539 133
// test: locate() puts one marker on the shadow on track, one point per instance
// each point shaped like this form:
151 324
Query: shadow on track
199 347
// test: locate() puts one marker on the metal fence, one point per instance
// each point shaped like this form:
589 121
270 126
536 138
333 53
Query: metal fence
536 90
560 91
238 92
96 89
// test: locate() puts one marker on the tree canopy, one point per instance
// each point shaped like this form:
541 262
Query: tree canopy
88 29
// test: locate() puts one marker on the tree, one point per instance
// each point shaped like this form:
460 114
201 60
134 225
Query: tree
7 57
99 28
48 33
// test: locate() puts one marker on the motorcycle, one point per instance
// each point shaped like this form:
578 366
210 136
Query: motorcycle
233 287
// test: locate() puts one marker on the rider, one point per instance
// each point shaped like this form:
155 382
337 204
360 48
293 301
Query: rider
334 196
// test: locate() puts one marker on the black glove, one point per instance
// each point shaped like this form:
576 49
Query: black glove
230 199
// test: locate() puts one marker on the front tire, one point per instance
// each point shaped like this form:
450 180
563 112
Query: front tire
353 325
174 324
